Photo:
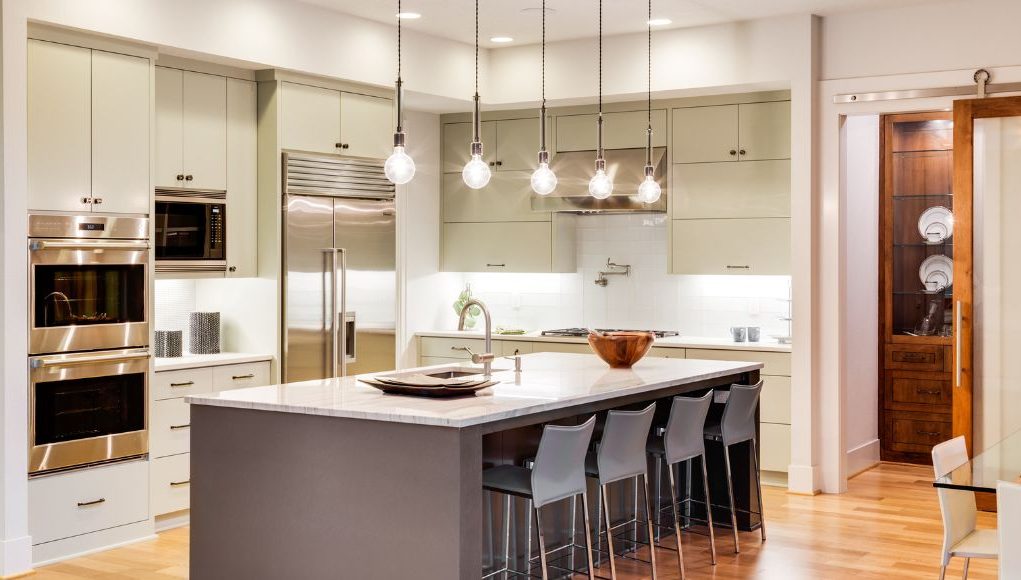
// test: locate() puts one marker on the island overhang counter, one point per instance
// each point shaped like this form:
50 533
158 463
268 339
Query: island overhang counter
334 479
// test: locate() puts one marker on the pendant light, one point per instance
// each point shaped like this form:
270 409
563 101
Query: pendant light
600 186
476 172
544 181
399 167
649 191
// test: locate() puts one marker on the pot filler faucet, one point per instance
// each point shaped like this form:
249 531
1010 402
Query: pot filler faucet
486 358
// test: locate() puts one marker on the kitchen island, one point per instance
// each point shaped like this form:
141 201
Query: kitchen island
333 478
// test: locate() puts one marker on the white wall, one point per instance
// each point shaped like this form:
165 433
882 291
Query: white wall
860 170
15 543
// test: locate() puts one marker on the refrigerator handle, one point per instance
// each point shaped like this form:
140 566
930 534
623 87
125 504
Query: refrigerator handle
339 317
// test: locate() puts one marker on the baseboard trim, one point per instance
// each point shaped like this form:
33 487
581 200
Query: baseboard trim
173 520
803 479
15 557
862 458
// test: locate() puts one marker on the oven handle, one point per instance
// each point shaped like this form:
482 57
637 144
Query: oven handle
37 245
68 360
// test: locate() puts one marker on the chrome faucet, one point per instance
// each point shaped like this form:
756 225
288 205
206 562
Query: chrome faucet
486 358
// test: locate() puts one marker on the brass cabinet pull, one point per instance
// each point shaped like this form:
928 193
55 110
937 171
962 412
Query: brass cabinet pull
93 502
927 392
239 377
958 331
179 483
928 433
184 384
914 357
176 427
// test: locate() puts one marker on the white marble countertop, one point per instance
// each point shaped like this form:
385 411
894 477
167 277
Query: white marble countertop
766 345
549 381
192 361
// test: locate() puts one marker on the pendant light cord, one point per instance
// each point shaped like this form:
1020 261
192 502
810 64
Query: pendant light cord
543 82
649 95
476 48
398 40
600 58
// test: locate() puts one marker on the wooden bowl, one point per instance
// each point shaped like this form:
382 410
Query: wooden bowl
621 350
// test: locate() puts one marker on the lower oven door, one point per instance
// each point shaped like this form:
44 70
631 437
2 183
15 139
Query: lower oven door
87 408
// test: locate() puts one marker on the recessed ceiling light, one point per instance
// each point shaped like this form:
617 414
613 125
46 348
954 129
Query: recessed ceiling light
659 22
408 15
501 39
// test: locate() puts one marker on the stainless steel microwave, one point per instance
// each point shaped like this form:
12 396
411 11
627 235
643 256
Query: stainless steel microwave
190 231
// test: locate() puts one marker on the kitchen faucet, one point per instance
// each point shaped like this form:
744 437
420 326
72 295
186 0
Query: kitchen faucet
487 357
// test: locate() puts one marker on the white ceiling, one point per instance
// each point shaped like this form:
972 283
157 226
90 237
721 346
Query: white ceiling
454 19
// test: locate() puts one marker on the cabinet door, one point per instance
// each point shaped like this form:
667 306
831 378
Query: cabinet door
517 144
705 134
775 443
366 125
508 197
242 177
765 131
169 128
497 247
728 190
620 130
310 118
59 127
456 145
120 133
731 246
205 131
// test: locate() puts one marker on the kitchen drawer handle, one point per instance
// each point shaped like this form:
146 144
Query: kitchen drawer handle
496 265
928 433
239 377
176 427
729 267
926 392
184 384
93 502
179 483
914 357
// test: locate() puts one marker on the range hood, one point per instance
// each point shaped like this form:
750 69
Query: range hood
626 167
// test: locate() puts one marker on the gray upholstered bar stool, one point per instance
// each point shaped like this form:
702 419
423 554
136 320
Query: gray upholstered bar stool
558 473
682 441
736 425
621 456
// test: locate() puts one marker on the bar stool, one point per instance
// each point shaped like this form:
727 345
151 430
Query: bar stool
683 440
558 473
621 455
736 425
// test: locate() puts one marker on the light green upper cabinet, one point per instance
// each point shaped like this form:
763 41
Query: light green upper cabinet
88 130
731 190
310 117
517 144
764 131
547 246
191 130
457 145
757 246
705 134
366 126
620 130
507 197
242 176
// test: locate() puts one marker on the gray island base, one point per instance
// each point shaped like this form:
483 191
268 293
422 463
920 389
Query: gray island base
334 479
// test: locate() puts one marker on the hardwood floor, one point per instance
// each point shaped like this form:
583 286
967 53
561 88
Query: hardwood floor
886 526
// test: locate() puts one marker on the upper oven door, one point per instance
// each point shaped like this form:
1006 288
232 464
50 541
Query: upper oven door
87 295
190 232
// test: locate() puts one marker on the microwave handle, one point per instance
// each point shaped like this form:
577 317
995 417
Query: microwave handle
68 360
36 245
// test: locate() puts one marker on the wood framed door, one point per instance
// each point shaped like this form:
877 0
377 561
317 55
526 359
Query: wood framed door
987 281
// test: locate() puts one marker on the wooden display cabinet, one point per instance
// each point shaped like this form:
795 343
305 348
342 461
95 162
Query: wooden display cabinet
915 327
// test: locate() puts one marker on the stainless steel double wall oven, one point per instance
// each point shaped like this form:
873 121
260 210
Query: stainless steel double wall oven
88 339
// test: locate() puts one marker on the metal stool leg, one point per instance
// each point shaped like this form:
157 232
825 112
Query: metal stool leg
506 530
659 494
648 522
677 521
687 491
574 530
708 510
528 557
609 532
542 545
599 525
758 489
730 492
588 536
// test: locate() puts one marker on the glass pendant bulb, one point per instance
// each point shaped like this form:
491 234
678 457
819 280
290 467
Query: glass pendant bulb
399 167
649 191
544 181
600 186
476 172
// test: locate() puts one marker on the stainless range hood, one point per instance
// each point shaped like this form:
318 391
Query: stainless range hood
625 166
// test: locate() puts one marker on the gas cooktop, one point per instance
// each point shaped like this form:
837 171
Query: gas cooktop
585 332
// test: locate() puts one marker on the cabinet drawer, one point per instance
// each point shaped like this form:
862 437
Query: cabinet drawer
775 403
562 347
915 357
172 384
760 246
428 361
775 443
914 391
917 435
171 484
776 363
171 428
242 375
444 347
667 352
87 500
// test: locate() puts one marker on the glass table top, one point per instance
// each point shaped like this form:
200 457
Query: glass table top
1001 462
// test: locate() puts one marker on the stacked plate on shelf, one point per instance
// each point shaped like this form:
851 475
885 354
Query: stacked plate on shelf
936 225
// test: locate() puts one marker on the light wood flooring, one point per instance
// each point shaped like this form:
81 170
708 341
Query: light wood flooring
887 526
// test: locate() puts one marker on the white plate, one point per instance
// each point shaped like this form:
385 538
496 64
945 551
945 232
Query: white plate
936 273
936 224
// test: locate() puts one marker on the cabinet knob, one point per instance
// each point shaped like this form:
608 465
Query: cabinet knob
86 200
338 145
344 145
233 269
492 163
97 200
189 177
742 152
733 151
180 177
499 163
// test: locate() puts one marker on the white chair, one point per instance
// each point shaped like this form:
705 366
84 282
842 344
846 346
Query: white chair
1008 521
960 537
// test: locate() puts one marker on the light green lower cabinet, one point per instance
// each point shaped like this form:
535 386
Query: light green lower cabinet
754 246
510 246
775 443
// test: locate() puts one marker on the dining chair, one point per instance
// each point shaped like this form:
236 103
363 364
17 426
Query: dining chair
1008 522
960 536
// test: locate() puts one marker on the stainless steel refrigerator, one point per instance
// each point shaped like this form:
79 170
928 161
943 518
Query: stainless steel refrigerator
339 243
